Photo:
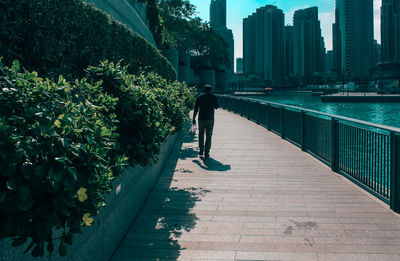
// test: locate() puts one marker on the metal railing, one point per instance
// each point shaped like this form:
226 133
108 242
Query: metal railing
366 153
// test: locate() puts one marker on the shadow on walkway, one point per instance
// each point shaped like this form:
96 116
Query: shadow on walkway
212 164
166 215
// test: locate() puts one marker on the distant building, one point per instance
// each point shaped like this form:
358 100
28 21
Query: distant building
218 13
218 23
329 62
263 44
289 55
390 30
309 46
354 29
337 71
239 65
377 52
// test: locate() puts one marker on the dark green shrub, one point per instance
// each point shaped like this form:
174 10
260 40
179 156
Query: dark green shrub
64 37
176 98
149 110
142 127
57 156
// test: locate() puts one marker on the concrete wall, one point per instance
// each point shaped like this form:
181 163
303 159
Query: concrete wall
129 12
99 241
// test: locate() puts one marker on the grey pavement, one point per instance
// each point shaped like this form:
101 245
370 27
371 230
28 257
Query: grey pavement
257 198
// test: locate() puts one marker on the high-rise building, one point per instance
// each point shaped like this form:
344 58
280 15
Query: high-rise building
309 46
218 23
249 44
289 56
239 65
218 13
337 49
329 62
377 52
263 43
390 30
354 28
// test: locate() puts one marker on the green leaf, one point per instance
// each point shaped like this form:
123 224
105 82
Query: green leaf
74 172
11 185
105 132
62 249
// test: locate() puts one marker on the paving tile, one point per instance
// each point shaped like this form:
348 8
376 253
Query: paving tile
259 198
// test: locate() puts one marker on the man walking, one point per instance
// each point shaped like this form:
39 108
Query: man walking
206 103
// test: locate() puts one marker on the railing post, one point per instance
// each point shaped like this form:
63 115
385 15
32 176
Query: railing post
257 118
283 122
335 145
303 130
269 117
395 171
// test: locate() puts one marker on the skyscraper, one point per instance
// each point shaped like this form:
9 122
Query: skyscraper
289 47
309 46
390 30
218 13
263 43
355 31
218 23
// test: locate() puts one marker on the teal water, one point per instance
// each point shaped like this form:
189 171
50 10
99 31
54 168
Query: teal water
380 113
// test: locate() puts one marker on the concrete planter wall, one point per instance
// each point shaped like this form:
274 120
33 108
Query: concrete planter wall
173 57
99 241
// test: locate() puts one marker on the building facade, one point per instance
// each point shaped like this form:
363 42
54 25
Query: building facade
390 30
218 13
289 54
239 65
218 23
309 46
263 44
354 36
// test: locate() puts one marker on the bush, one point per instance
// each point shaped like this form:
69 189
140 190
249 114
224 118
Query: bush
57 143
150 109
64 37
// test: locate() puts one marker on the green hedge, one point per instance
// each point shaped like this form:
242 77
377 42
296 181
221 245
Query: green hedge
64 37
63 143
57 142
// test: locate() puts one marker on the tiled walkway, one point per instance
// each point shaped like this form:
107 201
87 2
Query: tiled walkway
257 198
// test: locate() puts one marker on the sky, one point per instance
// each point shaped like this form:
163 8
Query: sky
239 9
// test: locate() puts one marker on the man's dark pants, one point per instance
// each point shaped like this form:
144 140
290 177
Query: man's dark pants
205 127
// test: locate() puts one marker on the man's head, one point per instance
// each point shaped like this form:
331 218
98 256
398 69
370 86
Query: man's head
207 88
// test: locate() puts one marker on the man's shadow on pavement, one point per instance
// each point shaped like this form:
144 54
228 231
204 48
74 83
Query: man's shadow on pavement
211 164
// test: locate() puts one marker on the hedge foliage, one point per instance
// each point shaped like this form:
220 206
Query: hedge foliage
59 37
63 143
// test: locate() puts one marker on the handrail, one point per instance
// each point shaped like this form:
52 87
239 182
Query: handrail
359 150
367 123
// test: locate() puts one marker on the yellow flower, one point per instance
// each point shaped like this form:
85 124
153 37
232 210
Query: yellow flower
82 196
57 123
87 220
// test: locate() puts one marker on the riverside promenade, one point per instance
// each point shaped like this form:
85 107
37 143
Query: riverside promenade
257 198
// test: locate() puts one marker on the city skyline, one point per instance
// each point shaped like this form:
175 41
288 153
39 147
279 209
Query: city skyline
238 10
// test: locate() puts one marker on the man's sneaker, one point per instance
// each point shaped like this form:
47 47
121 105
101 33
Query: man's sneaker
207 156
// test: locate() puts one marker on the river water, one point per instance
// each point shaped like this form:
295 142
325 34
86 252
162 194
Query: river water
380 113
